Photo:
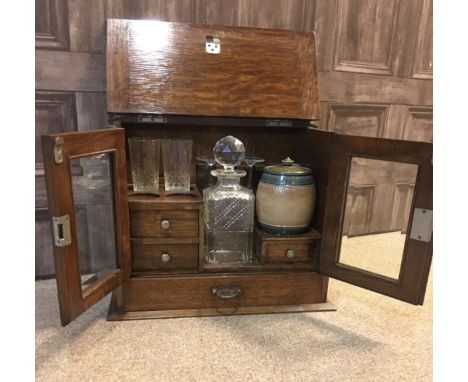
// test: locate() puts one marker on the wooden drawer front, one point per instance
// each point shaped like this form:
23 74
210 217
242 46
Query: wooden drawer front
150 257
277 252
195 292
147 223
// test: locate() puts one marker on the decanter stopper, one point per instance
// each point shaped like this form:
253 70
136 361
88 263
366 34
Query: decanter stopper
229 152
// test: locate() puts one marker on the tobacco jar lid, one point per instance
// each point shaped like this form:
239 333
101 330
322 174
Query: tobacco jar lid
288 173
288 167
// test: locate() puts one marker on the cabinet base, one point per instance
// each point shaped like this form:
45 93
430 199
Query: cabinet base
219 294
115 314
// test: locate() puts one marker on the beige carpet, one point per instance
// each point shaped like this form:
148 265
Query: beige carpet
369 338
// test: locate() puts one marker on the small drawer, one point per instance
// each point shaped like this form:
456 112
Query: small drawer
301 249
164 224
290 252
163 257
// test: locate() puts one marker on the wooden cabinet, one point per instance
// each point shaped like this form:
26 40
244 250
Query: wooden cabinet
260 85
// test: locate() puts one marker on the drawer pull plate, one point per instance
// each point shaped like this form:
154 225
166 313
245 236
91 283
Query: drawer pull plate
226 293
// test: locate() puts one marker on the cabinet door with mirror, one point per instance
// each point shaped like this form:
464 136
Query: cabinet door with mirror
377 219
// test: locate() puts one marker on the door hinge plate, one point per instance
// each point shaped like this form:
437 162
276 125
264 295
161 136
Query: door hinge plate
61 225
58 150
421 227
152 119
278 123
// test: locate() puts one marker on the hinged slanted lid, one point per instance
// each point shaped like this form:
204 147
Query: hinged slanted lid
156 67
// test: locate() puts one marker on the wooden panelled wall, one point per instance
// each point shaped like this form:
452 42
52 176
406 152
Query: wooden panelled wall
374 61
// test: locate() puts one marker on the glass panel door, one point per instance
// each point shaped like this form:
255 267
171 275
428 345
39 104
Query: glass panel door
93 198
87 195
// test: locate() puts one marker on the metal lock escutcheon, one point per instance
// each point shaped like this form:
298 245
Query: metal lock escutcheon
212 45
61 228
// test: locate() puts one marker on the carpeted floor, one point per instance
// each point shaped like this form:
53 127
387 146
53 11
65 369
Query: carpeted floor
369 338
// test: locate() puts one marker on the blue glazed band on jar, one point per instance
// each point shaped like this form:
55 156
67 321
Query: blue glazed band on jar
287 180
285 200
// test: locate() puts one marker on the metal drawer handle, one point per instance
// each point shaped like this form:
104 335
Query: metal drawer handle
290 253
165 224
165 257
226 293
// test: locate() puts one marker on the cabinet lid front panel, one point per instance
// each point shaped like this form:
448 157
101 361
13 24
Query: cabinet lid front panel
172 68
87 195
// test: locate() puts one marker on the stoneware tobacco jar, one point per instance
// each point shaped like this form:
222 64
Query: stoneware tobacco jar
285 199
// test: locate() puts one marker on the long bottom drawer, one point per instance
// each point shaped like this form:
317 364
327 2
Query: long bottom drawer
215 291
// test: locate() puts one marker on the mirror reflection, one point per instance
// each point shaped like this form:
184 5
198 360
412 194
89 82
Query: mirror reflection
94 216
378 204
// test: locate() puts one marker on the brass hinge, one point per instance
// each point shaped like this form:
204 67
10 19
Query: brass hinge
152 119
61 225
278 123
421 227
58 150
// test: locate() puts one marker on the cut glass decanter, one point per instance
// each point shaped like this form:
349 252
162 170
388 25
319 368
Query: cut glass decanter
228 208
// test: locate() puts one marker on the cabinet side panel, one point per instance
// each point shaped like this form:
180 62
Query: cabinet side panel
315 148
117 66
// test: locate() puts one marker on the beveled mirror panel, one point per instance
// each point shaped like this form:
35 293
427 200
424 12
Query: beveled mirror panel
378 205
93 196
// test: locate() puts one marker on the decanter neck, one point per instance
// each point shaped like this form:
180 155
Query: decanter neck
228 181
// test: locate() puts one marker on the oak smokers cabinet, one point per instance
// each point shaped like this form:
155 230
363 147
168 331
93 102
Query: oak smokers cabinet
170 80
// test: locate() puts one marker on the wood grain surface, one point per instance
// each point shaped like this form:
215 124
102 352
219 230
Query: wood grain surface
163 68
417 256
72 299
117 314
147 257
195 292
147 223
271 249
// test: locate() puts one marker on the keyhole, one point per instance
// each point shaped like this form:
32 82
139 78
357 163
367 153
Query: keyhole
60 231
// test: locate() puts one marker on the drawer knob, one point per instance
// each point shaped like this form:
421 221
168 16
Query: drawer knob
225 293
165 224
165 257
290 253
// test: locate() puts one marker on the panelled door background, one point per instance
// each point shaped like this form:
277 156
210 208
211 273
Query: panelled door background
375 78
